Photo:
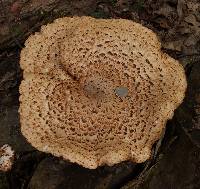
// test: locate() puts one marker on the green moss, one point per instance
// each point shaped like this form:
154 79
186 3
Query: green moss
99 13
138 5
112 2
16 30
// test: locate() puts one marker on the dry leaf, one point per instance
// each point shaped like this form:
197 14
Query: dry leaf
191 19
195 25
165 10
191 40
173 45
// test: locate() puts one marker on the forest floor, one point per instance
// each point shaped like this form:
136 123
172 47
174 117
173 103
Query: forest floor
175 161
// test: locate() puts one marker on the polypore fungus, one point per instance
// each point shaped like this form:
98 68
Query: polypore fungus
97 91
6 157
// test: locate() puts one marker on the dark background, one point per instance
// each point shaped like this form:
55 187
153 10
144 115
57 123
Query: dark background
175 161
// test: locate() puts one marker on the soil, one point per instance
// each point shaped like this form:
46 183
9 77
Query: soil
175 161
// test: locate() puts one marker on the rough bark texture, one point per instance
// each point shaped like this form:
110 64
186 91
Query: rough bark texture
175 161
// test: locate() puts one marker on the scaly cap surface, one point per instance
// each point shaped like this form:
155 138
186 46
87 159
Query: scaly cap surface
97 91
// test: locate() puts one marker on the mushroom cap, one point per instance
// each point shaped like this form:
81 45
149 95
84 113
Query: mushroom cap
97 91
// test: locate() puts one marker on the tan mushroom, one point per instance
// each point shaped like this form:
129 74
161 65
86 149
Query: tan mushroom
97 91
6 157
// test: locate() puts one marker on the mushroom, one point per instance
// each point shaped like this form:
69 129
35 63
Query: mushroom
97 91
6 157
